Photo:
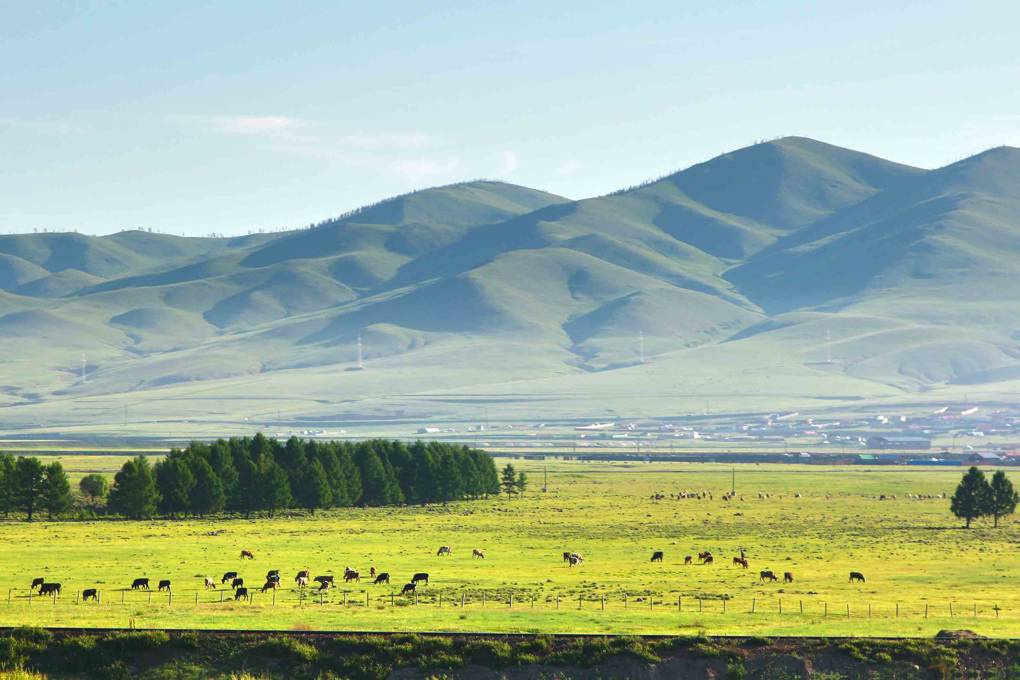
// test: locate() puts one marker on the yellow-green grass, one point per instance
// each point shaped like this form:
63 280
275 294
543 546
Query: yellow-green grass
913 553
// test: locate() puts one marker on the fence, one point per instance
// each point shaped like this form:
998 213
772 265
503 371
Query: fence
811 607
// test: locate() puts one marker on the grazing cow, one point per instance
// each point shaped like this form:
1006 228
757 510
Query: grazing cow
302 581
230 575
384 577
767 575
566 556
477 553
708 559
210 583
140 583
164 584
351 575
688 560
270 585
323 579
787 577
742 561
444 550
241 594
49 589
273 574
409 587
856 576
704 555
237 583
90 594
303 574
575 560
325 585
36 582
247 555
420 576
657 556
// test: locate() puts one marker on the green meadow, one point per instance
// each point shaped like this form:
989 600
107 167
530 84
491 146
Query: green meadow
818 522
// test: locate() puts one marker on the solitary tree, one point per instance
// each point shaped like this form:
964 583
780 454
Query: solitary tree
94 486
28 485
508 480
134 491
56 490
972 497
1003 497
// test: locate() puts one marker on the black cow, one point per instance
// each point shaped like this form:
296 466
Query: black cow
303 574
36 582
228 576
351 575
241 594
49 589
140 583
90 594
856 576
657 556
767 575
273 575
383 577
324 579
787 577
237 583
409 587
420 576
164 584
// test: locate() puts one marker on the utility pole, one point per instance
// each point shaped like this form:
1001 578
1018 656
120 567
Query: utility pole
733 482
545 480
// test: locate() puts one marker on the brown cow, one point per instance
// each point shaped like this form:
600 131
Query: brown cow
742 561
351 575
247 555
767 575
475 552
271 584
787 577
688 560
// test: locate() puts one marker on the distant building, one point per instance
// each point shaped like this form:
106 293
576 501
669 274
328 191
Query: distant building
428 430
984 458
898 443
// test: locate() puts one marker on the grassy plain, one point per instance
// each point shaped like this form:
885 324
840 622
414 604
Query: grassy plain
914 554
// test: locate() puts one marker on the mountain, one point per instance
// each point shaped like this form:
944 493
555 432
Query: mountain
790 271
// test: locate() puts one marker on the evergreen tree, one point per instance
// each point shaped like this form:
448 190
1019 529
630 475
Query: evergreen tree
376 485
28 485
314 491
56 490
207 495
972 496
508 480
350 475
326 456
1003 497
522 482
134 492
273 485
246 493
94 486
222 462
6 483
175 483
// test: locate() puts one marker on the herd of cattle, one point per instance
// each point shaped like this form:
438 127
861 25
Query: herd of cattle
303 579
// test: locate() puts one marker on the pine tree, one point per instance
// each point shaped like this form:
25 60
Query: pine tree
273 486
350 474
56 490
207 496
314 491
222 463
94 486
508 480
522 482
1003 497
376 483
134 492
28 485
175 483
972 496
6 484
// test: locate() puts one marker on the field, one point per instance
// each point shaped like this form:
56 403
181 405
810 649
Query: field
913 552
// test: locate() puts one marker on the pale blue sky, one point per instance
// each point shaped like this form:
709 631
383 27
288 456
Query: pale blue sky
247 115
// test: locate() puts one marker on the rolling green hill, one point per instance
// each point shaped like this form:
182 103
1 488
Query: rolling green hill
723 279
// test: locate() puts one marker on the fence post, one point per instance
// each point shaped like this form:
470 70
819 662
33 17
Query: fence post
848 610
897 610
122 597
533 601
724 605
462 599
925 610
579 601
440 599
780 605
274 597
320 597
345 598
511 600
221 596
699 605
603 602
557 601
483 599
754 601
366 599
975 610
196 598
651 602
416 598
625 600
950 608
150 597
826 612
802 606
170 598
391 598
76 594
869 610
9 591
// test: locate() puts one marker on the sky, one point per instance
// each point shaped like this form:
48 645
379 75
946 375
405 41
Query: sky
229 117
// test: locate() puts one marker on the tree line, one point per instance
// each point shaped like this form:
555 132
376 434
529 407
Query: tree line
262 475
977 497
